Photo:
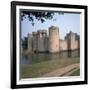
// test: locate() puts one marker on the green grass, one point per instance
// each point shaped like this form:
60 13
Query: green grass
76 73
39 69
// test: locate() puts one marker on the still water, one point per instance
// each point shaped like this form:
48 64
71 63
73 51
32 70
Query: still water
41 57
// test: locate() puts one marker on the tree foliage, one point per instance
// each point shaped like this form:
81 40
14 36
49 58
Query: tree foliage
40 16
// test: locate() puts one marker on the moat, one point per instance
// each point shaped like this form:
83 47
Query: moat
41 57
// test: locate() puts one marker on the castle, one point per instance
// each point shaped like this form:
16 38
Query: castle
40 41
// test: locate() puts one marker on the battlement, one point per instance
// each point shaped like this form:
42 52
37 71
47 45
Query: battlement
34 33
30 35
53 28
42 33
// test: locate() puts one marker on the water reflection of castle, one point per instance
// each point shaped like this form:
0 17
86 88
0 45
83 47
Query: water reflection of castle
41 42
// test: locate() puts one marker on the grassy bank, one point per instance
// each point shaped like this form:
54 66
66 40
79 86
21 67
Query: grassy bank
76 73
39 69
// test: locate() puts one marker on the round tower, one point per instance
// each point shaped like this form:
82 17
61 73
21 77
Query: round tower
53 39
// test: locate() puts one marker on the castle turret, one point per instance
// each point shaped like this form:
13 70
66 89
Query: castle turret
72 41
34 42
30 42
42 43
53 44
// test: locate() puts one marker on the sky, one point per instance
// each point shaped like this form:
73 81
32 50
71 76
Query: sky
66 22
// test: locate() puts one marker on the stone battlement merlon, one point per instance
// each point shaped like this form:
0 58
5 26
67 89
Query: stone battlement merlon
53 28
30 35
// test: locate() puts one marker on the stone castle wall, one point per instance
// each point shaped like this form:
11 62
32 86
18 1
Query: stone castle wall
63 45
72 41
41 42
30 42
34 41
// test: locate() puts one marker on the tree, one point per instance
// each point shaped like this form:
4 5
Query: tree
24 43
39 15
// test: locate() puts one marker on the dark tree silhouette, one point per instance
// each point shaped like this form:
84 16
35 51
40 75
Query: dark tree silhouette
24 43
40 16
